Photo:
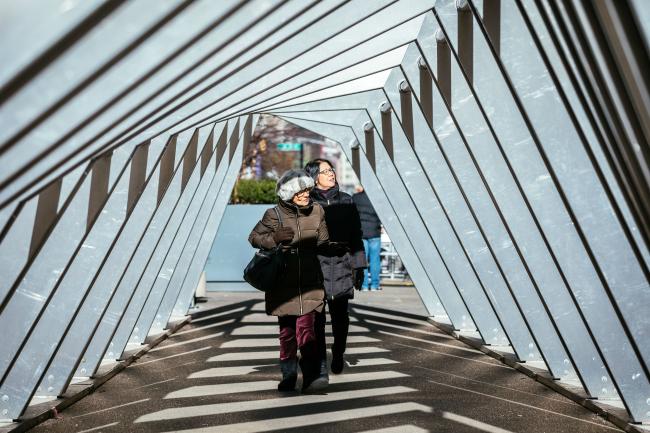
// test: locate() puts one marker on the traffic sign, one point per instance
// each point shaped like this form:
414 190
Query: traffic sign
289 147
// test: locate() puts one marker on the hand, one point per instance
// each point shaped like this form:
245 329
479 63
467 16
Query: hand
283 234
358 278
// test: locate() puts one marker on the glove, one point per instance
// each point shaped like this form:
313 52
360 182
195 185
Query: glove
358 278
338 248
283 234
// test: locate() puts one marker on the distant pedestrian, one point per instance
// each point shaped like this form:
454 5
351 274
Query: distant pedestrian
342 264
371 227
298 293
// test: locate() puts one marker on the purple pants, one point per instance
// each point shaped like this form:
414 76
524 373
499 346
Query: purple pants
295 332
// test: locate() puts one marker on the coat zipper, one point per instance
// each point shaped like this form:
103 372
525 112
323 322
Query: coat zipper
331 261
332 275
299 265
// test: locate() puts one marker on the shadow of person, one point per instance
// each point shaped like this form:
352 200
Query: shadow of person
351 361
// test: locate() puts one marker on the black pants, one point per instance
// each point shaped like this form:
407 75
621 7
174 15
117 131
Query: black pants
340 319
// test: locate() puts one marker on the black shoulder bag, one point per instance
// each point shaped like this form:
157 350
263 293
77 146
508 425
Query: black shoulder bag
262 271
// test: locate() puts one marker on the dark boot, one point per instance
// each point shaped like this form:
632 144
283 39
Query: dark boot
289 368
337 362
323 372
340 326
310 367
319 328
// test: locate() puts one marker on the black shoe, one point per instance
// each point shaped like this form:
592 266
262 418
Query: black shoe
289 368
316 385
310 365
337 364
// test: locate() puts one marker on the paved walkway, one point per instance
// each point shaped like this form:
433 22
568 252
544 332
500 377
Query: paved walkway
219 374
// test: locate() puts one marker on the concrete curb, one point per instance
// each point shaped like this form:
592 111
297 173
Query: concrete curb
42 412
616 416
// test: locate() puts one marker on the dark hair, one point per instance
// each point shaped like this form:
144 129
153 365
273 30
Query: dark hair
313 167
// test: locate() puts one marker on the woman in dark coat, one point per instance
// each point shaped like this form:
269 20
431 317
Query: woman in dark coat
342 263
297 296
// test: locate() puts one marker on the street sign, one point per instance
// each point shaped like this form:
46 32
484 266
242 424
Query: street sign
289 147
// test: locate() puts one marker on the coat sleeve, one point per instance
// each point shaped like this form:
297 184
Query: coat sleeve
323 233
262 234
357 251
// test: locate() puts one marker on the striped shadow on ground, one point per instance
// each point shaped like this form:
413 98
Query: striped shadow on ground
407 428
274 330
220 314
204 327
473 423
430 330
176 355
357 309
435 343
237 370
275 354
312 419
263 318
99 428
273 342
231 388
228 371
181 343
243 406
368 362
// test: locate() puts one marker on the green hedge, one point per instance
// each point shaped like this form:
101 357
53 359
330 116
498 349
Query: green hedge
251 191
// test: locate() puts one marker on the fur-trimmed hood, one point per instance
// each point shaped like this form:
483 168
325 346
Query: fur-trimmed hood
292 182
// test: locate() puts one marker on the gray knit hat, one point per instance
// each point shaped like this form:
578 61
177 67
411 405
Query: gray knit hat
291 183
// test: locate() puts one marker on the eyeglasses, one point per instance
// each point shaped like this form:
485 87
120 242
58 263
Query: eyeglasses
327 171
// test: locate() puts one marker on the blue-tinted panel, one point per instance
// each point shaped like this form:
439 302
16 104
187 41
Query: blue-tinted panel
173 241
14 249
52 18
452 201
621 273
145 273
126 260
190 281
497 227
42 276
106 278
541 194
99 46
